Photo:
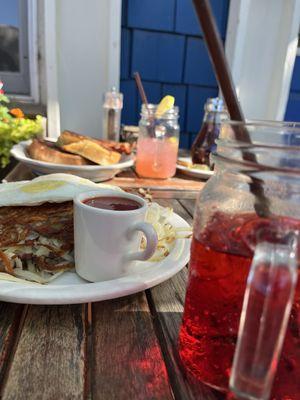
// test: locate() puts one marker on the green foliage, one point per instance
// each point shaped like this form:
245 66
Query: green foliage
14 130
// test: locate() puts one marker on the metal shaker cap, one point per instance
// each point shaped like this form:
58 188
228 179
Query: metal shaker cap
215 104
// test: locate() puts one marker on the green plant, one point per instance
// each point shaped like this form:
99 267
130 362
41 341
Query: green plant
14 127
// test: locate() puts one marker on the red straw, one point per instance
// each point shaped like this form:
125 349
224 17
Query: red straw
142 92
223 74
141 89
218 58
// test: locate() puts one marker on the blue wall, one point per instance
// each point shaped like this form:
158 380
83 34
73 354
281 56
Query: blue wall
293 106
161 39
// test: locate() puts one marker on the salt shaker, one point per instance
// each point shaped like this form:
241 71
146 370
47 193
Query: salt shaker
112 107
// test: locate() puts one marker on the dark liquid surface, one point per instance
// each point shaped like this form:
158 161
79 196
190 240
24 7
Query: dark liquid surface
113 203
219 267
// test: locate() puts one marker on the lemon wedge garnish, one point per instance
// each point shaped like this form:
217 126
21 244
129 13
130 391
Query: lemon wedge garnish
165 105
173 140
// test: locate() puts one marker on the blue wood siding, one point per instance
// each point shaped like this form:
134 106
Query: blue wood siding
158 56
186 20
151 14
293 107
195 106
198 68
161 40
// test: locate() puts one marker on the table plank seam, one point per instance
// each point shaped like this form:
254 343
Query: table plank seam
183 206
128 362
13 348
164 348
89 352
51 348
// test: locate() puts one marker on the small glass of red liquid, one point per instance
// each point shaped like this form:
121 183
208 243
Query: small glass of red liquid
230 239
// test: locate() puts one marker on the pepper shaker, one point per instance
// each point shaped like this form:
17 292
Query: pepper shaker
112 107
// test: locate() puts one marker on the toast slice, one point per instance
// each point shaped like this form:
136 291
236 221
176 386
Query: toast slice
46 151
93 151
67 137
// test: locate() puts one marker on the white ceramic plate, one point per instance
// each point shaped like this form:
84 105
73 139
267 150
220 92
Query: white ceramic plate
95 173
193 172
69 288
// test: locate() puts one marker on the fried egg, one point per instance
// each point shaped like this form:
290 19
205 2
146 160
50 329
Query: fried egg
54 188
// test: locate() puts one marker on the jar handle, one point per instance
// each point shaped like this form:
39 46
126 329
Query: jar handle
266 309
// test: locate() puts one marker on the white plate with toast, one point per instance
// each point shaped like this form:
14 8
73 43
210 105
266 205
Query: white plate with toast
185 165
95 173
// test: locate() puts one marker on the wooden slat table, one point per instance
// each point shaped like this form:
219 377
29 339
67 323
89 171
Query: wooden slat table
118 349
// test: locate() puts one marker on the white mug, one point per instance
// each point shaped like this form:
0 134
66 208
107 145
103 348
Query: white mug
107 241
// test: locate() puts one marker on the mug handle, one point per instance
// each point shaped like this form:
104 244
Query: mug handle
151 238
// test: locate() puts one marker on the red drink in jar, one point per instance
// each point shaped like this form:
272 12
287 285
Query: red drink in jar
220 261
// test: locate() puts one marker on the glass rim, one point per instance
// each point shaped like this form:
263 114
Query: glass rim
172 113
278 140
250 145
290 125
255 167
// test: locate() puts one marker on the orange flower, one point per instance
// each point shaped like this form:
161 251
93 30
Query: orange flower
17 112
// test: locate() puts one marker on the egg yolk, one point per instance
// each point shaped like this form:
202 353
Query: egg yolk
43 186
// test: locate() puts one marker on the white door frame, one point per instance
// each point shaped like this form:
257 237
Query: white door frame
114 46
57 94
53 112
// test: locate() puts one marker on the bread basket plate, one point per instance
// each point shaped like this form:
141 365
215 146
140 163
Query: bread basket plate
69 288
193 172
95 173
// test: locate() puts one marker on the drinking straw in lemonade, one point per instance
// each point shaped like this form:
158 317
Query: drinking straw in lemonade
157 145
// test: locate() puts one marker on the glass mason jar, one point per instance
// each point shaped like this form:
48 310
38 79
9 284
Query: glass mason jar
157 145
247 218
205 142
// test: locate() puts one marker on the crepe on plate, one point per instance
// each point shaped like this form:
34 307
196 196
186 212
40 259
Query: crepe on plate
36 225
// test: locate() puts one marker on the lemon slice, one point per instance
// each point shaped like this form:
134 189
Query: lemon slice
165 105
173 140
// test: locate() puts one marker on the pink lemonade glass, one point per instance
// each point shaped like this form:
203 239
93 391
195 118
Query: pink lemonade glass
157 145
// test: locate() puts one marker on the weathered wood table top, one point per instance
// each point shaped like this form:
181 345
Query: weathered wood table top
118 349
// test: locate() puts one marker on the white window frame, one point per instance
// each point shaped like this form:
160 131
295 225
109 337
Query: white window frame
33 96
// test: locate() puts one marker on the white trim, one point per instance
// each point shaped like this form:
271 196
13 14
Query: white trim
236 36
114 44
33 50
53 112
22 98
261 46
32 39
88 61
290 44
